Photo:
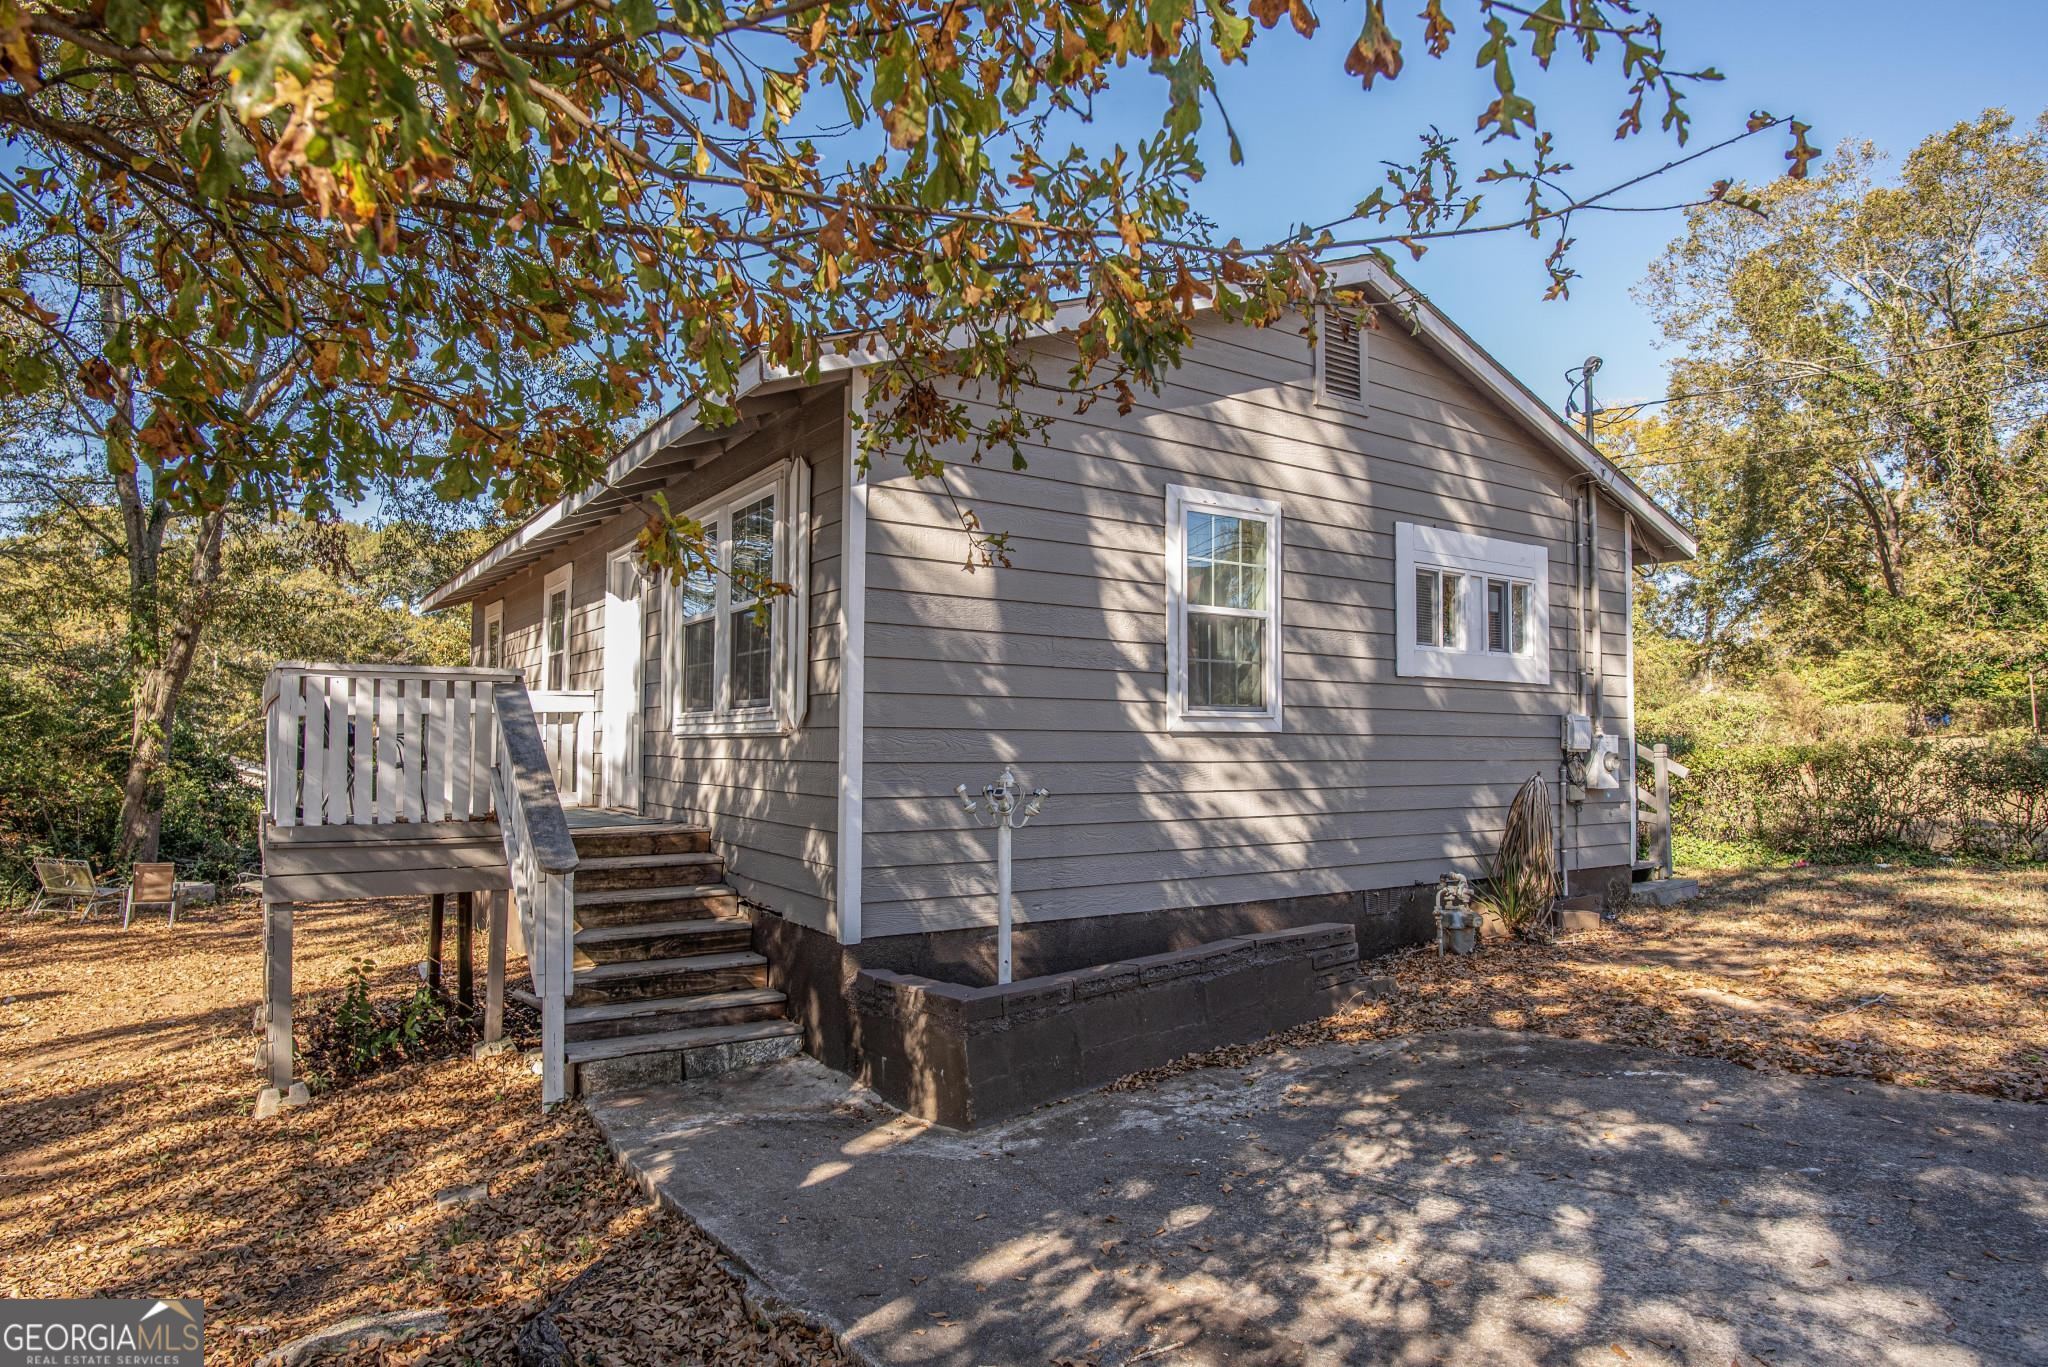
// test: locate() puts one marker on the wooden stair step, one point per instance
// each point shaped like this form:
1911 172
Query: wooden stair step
675 893
678 1055
665 838
640 930
627 906
639 828
680 976
583 1051
683 963
658 1015
661 939
615 873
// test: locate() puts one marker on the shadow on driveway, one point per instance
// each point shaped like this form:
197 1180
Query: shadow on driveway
1474 1196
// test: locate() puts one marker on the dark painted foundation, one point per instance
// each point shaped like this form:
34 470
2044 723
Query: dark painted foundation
818 972
967 1056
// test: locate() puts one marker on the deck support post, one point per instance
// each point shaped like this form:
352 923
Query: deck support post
494 972
435 919
465 948
277 993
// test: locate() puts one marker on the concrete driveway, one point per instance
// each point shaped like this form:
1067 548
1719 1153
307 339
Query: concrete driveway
1471 1197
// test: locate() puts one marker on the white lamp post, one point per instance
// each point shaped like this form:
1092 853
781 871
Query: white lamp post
999 806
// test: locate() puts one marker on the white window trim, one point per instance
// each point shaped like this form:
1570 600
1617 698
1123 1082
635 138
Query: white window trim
789 480
494 613
1180 717
1343 402
1477 558
565 577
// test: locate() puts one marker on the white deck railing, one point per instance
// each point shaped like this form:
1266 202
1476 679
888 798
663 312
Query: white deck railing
361 745
370 745
1653 804
567 719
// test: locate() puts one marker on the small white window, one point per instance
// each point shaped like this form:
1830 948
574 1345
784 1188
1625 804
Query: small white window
1223 611
1439 603
1340 360
554 631
732 651
1507 616
493 651
1470 607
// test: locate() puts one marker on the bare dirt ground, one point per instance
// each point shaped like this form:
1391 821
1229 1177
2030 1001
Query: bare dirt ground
129 1164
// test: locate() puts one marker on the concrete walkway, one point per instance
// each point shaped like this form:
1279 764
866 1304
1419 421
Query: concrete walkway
1472 1197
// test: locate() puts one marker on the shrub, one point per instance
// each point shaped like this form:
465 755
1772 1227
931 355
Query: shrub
1999 791
1853 799
359 1035
1523 883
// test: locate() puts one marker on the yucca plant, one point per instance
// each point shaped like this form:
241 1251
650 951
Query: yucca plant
1522 888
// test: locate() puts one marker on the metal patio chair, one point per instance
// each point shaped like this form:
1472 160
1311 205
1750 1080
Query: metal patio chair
70 881
153 885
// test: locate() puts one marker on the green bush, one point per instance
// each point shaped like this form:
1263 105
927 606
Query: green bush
62 747
1858 799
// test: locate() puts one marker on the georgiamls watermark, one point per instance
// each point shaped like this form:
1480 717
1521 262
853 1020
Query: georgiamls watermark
96 1333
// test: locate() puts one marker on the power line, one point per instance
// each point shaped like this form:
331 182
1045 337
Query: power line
1630 461
1637 407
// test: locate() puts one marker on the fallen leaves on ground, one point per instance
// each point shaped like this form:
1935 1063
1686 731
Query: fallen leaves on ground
130 1165
1924 977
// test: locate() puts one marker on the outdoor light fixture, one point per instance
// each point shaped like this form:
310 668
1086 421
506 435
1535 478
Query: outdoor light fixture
999 806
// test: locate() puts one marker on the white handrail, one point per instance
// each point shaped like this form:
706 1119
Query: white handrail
540 859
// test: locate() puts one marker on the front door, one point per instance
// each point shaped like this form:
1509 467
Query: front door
621 702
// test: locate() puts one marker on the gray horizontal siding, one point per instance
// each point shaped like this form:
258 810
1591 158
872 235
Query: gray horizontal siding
770 802
1057 663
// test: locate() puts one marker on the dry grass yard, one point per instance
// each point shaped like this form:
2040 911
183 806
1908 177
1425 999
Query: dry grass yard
1921 977
130 1165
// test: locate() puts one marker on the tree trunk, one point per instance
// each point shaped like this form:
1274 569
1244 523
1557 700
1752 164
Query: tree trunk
159 679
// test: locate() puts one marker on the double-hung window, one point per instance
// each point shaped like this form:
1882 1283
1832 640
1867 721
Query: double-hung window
493 653
554 631
732 655
1223 611
1470 607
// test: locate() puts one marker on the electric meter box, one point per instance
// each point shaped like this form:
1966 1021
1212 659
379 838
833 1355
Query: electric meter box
1603 765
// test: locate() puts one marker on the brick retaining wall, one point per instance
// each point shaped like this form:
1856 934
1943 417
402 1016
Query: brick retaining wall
966 1056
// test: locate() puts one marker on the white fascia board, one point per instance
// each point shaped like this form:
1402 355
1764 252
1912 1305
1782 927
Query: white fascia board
755 377
1467 355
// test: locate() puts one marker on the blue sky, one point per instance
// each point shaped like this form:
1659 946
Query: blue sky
1891 71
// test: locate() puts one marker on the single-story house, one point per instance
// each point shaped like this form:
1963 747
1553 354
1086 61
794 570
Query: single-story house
1282 642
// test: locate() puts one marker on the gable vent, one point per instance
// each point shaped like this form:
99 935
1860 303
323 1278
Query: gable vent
1343 355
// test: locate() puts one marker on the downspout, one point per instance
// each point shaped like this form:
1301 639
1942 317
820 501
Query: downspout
1587 652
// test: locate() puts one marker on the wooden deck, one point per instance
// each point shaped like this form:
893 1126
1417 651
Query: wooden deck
402 859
